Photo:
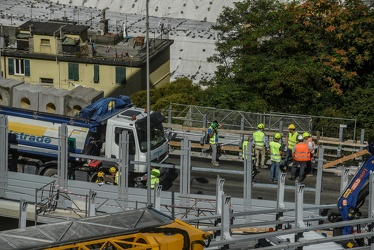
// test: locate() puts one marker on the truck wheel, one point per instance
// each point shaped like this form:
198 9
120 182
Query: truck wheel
51 172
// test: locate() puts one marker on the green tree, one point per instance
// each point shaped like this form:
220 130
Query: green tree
181 91
260 52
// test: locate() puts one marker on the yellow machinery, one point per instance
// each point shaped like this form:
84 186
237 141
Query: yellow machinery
141 229
174 236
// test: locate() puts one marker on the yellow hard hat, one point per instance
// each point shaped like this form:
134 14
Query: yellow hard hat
261 125
277 136
291 126
112 170
306 134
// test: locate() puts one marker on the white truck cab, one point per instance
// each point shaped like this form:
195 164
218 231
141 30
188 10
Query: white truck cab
134 121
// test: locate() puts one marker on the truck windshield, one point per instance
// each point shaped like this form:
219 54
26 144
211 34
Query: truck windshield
157 135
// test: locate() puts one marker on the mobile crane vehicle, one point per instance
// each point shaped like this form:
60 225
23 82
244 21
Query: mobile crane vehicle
354 194
95 131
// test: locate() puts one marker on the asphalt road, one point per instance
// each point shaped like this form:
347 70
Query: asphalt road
205 183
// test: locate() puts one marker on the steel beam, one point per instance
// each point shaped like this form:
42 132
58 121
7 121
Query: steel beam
123 185
185 172
248 182
219 194
344 179
62 163
3 155
91 204
22 217
157 197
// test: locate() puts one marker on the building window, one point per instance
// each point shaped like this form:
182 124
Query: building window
96 74
46 80
19 67
121 75
73 71
45 42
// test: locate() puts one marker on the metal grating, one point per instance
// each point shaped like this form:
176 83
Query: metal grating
49 235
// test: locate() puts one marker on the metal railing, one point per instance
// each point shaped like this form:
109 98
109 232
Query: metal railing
197 116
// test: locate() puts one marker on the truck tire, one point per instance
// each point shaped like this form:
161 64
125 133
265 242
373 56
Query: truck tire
51 172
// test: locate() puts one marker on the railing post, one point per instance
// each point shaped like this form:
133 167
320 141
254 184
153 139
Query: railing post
362 141
91 204
241 135
22 214
280 198
344 179
299 200
123 185
157 197
170 114
317 199
225 218
205 121
341 130
3 155
219 194
62 164
248 182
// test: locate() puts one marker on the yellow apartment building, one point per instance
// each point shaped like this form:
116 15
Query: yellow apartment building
61 54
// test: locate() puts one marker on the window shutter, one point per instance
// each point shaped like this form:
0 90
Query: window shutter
27 67
121 75
76 72
73 71
96 74
11 66
70 71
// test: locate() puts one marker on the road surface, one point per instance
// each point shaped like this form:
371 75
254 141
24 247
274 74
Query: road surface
205 183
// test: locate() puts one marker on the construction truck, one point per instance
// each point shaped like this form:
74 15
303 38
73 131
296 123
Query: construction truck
95 131
353 196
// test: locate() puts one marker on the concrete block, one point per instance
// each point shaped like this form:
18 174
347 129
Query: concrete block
6 90
26 96
81 97
52 100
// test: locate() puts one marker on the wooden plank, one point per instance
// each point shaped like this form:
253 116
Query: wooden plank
345 158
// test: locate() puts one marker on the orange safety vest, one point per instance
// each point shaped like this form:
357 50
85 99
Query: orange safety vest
302 153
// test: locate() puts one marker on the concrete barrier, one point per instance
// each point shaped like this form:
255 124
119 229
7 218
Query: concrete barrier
52 100
6 90
26 96
81 97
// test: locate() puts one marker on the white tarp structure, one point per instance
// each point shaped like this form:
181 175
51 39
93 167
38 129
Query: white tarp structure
190 23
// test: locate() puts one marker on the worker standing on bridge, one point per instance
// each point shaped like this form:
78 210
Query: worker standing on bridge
291 140
213 141
275 156
114 175
301 155
155 177
259 143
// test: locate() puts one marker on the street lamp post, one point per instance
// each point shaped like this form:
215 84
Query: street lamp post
148 110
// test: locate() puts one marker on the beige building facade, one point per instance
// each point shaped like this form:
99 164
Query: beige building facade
60 54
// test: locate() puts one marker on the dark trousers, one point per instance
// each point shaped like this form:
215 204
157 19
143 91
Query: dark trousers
298 168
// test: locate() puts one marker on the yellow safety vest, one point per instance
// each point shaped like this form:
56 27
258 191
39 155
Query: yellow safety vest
212 140
275 151
245 149
292 139
258 136
155 177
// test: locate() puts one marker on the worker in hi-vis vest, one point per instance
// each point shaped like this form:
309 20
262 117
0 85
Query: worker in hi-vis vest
213 140
259 143
301 155
291 140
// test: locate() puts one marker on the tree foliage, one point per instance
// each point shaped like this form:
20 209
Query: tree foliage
308 57
182 91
